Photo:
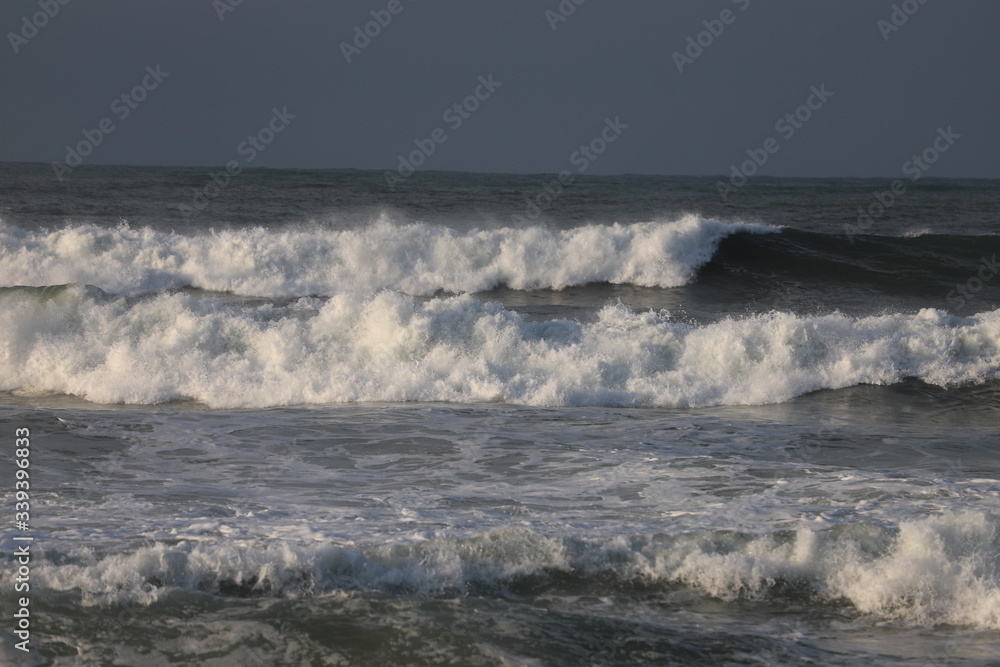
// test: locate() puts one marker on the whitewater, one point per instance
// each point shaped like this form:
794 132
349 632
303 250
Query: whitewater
325 423
413 258
389 347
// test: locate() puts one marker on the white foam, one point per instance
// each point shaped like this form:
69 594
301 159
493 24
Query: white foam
392 348
942 569
917 232
417 259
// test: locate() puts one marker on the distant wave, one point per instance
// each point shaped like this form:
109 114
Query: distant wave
390 347
416 259
938 570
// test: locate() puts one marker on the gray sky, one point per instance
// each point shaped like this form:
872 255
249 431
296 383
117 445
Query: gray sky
607 59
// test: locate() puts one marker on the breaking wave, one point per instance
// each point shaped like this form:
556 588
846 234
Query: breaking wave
416 259
937 570
390 347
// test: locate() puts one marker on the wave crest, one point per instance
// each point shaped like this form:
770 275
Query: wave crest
416 259
392 347
923 572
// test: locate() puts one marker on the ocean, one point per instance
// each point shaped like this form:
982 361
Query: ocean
289 417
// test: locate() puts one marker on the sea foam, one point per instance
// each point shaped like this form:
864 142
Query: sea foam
937 570
390 347
414 258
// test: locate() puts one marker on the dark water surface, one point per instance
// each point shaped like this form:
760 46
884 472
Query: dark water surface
324 422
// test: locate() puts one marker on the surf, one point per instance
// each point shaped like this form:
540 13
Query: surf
391 347
415 258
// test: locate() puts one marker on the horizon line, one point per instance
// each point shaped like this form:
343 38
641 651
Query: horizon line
723 177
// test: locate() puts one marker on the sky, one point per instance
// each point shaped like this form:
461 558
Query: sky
673 88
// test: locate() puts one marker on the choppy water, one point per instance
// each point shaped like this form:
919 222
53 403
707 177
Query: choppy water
321 422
